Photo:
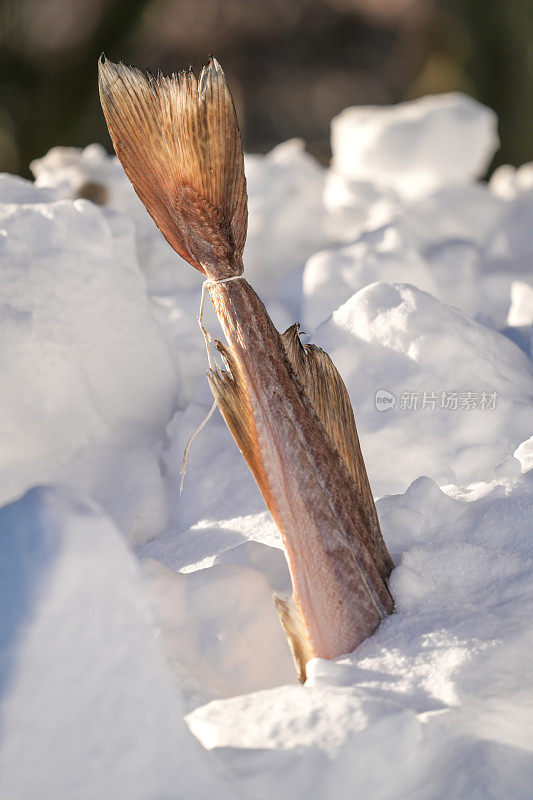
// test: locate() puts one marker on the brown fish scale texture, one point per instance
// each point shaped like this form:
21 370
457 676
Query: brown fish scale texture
308 488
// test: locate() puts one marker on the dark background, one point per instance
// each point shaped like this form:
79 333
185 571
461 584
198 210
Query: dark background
291 64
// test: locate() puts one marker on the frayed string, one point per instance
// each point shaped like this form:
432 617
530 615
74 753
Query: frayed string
202 424
207 339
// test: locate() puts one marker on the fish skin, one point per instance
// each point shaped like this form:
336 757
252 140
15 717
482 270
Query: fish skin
305 483
179 143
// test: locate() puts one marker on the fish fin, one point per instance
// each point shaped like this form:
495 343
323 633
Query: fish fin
292 622
179 143
229 390
329 397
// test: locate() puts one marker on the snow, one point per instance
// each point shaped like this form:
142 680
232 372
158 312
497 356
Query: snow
214 622
521 310
415 147
88 707
88 377
288 221
438 703
445 371
128 608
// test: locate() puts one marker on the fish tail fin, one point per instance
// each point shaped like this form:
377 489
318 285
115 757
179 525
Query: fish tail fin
325 389
179 143
293 623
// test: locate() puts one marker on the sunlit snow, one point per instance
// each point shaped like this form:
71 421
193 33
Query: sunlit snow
127 609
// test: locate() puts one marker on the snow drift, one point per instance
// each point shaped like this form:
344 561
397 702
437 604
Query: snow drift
88 707
415 276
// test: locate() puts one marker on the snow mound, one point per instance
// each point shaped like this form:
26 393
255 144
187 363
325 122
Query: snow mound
287 221
462 243
426 383
331 277
88 709
219 626
510 182
417 146
85 364
91 173
436 704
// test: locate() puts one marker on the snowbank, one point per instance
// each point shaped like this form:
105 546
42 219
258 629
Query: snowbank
438 702
93 174
87 707
463 243
447 381
287 223
219 629
415 147
88 379
416 278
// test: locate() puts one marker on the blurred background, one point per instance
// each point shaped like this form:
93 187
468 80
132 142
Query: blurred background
291 64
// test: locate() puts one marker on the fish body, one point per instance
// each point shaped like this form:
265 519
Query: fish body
285 405
337 577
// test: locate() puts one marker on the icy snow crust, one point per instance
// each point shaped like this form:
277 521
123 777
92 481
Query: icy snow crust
125 607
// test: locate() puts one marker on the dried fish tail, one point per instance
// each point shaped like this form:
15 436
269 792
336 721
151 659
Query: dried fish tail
286 405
